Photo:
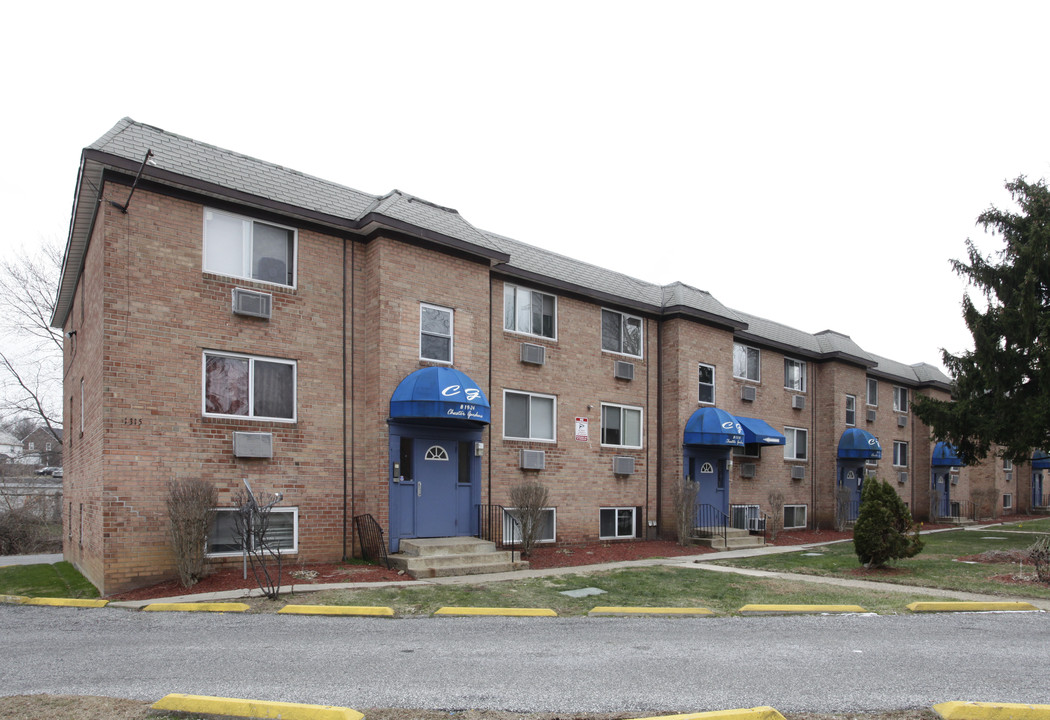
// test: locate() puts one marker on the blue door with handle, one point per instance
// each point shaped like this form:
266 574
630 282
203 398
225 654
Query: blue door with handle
437 484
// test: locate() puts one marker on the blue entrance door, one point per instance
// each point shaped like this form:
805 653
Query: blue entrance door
437 478
942 489
851 483
710 475
1037 489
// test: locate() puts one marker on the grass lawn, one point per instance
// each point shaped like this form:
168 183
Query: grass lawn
653 586
60 580
938 564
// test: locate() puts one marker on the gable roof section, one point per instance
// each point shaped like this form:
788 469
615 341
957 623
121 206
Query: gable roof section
920 374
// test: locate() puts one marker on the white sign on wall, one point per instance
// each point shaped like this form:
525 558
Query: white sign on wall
582 432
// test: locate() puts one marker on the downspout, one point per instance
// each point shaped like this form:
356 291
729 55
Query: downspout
648 471
813 424
488 455
659 423
345 557
353 367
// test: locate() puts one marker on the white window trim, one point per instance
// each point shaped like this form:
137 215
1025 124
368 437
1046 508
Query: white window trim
451 333
848 398
867 392
251 386
795 431
1006 497
281 551
896 444
897 389
805 509
516 287
744 377
516 537
641 425
802 374
554 420
714 384
248 277
623 317
634 523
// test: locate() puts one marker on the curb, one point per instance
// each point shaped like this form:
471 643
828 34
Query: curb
13 599
799 609
506 612
763 712
930 607
237 707
991 711
196 607
66 602
634 611
357 610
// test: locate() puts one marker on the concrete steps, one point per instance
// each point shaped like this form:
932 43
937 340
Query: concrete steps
735 539
445 557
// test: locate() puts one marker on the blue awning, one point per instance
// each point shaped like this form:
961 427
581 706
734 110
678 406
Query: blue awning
1040 460
439 393
944 455
859 444
759 432
713 426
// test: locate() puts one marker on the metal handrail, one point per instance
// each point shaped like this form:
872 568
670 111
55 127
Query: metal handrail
711 521
490 527
370 533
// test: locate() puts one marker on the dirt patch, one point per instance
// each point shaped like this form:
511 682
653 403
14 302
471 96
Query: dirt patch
74 707
996 556
557 556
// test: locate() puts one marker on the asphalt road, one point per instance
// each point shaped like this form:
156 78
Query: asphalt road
799 663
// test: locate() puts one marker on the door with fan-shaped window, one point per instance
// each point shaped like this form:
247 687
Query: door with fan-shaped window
437 487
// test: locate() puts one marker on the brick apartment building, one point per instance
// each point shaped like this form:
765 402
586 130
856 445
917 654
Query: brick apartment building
230 319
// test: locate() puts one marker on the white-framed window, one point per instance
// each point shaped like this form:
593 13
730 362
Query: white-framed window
900 453
240 247
621 426
547 526
1008 501
282 532
873 392
794 516
795 375
616 522
707 384
529 416
47 447
746 363
900 399
32 445
435 333
530 312
621 333
1008 464
248 386
795 445
851 410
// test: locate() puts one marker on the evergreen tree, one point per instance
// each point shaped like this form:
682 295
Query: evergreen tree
1001 389
881 531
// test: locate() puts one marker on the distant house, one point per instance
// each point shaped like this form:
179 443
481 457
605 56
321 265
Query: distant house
41 447
10 447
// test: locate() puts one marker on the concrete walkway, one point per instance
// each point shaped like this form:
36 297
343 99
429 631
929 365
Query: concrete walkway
48 559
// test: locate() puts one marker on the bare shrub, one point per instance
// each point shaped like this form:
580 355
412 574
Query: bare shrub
191 509
843 503
529 498
984 500
252 520
776 513
24 532
683 501
1039 555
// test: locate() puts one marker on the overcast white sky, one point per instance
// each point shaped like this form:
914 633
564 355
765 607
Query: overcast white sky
815 163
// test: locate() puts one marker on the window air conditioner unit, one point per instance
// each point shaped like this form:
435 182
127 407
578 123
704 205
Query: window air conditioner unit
533 354
798 402
623 465
756 524
902 420
902 477
798 472
747 470
747 393
252 303
955 480
532 460
1009 477
871 416
623 370
253 445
